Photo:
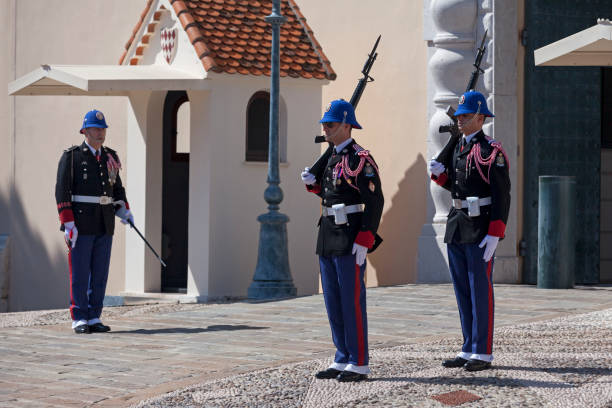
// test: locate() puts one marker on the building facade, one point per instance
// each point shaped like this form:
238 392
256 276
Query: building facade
424 63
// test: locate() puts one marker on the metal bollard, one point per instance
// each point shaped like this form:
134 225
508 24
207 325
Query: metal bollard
556 232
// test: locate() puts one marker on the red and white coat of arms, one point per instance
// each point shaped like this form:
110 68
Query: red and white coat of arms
168 39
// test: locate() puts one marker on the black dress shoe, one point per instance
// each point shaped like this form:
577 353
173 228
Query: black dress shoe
99 328
477 365
454 362
350 376
327 374
82 329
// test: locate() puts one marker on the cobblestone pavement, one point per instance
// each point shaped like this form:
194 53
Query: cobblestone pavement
553 348
564 362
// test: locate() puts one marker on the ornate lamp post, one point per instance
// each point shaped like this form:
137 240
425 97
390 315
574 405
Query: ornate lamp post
272 279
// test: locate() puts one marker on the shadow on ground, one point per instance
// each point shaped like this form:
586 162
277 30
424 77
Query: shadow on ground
562 370
191 330
481 381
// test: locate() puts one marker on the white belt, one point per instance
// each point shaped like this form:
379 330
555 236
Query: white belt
457 203
102 200
349 209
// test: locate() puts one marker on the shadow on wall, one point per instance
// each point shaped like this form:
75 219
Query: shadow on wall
395 260
4 255
38 279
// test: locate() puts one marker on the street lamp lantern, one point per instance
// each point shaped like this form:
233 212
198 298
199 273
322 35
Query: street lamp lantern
272 278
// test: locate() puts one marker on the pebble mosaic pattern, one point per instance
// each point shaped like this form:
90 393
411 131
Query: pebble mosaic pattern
564 362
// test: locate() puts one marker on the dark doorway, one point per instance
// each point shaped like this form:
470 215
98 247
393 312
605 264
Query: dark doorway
175 192
258 127
563 126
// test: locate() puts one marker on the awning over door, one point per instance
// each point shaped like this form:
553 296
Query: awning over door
590 47
103 80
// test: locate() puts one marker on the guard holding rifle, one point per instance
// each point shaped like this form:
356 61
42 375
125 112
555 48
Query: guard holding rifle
476 174
352 203
89 194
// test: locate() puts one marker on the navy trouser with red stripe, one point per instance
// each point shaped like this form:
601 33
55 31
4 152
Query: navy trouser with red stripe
89 261
473 282
345 300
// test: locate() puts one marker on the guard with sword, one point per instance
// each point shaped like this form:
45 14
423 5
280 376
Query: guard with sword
474 168
347 180
89 195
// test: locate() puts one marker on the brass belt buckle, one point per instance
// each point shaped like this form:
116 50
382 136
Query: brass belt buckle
104 200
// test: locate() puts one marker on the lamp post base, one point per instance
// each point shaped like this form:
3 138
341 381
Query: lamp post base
272 278
271 290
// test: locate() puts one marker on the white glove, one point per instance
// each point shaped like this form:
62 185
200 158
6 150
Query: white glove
70 233
491 243
307 177
360 253
124 214
128 218
436 168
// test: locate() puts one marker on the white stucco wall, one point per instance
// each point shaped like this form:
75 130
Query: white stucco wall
6 116
235 195
226 193
392 111
55 32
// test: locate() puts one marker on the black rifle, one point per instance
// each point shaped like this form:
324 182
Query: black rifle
319 166
453 128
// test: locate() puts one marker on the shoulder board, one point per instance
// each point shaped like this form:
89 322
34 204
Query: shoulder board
360 151
108 149
71 148
497 145
501 158
491 143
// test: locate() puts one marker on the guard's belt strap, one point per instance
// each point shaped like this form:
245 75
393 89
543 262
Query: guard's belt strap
457 203
102 200
349 209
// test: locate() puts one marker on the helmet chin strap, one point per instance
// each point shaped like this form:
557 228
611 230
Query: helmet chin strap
473 117
333 135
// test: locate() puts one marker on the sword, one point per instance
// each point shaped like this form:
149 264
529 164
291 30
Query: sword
146 242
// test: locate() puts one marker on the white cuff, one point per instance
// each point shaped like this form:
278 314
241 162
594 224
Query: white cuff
338 366
482 357
94 321
358 369
473 356
76 323
464 355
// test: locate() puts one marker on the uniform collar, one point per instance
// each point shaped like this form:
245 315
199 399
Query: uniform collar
469 137
343 145
93 151
469 140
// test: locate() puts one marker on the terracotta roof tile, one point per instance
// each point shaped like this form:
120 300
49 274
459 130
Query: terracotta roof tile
232 36
143 15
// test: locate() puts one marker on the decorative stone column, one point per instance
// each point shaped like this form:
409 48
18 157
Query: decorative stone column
501 83
454 29
450 58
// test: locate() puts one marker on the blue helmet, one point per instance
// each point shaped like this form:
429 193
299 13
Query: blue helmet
473 102
340 111
94 118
